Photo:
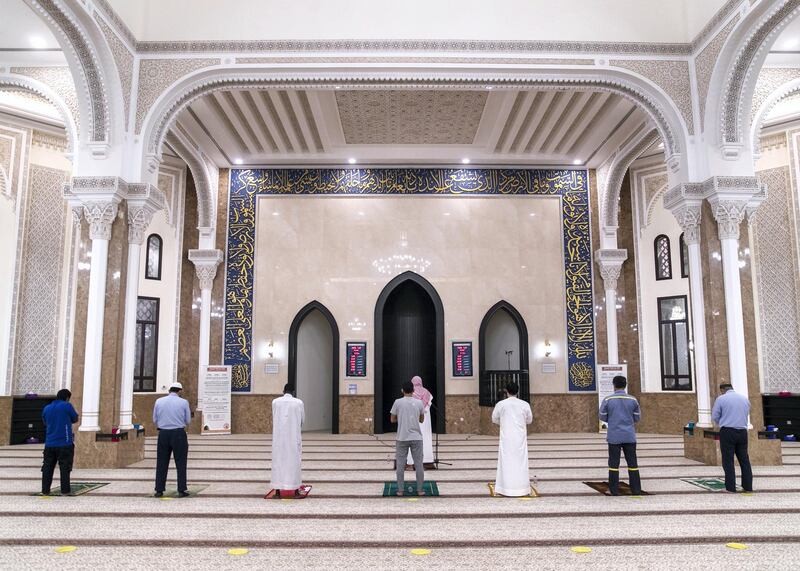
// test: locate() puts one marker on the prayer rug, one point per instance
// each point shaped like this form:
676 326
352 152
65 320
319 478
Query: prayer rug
410 489
534 492
602 487
77 488
193 490
299 494
710 484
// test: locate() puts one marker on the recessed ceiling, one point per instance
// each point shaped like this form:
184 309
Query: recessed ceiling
514 127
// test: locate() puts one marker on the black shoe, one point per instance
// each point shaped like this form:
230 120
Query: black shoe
184 494
158 494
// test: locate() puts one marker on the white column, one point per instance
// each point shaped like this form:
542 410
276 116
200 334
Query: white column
100 216
687 209
205 262
143 201
610 262
729 215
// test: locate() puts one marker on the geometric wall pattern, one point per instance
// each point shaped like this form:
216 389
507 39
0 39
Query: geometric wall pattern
776 271
39 296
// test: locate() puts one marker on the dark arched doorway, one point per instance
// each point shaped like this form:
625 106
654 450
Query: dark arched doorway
502 353
323 353
409 340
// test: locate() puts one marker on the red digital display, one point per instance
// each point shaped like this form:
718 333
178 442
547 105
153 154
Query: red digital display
462 359
356 359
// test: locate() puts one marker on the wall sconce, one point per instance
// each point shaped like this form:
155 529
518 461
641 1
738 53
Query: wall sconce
547 348
270 351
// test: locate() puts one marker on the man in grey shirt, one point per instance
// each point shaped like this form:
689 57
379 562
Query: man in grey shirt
408 413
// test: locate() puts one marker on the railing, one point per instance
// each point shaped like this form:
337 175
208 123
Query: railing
493 384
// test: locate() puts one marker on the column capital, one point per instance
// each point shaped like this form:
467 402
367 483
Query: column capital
98 197
610 263
205 263
730 198
143 201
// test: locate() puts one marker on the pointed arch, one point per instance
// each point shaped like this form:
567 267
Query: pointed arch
440 424
522 330
292 373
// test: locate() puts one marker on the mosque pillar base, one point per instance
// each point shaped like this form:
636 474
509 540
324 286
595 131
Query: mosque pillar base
93 453
703 448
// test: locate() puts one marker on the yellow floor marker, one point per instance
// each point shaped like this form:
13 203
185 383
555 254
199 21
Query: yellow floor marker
238 551
65 549
736 545
747 493
635 497
420 552
580 549
525 499
166 498
412 499
45 497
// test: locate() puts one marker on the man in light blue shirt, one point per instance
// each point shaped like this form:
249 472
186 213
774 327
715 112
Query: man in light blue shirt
171 416
731 411
621 412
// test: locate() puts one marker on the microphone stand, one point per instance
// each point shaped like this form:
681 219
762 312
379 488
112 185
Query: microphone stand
436 460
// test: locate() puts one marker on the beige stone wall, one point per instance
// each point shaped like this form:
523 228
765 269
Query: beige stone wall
475 252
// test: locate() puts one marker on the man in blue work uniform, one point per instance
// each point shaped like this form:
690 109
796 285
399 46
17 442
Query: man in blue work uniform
621 412
730 412
171 416
59 443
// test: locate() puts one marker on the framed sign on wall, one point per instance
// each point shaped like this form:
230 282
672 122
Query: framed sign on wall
356 359
462 359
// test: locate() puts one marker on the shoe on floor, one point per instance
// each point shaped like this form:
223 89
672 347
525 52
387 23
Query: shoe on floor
184 494
158 494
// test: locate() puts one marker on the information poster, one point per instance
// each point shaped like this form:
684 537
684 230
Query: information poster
356 359
462 359
605 385
217 400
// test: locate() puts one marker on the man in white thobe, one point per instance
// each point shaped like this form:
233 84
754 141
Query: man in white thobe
512 414
288 414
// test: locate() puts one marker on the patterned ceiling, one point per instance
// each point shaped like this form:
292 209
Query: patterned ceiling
410 117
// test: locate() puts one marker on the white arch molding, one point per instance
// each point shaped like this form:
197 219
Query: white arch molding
730 96
202 178
93 70
660 108
16 82
782 92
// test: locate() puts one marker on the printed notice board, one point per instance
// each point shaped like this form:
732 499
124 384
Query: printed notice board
462 359
356 359
217 400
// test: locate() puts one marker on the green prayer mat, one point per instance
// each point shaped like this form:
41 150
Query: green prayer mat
602 487
193 491
76 488
710 484
410 489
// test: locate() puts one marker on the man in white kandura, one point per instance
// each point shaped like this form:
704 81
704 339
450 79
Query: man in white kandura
288 414
512 414
423 394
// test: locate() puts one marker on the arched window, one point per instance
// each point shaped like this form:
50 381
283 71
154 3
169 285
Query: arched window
684 258
153 260
663 258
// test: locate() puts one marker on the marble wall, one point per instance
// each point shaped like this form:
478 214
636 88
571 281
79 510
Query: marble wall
356 414
475 251
251 414
6 404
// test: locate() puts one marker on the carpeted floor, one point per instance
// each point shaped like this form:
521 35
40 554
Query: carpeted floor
346 522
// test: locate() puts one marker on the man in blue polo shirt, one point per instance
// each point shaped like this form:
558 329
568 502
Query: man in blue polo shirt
621 412
730 412
59 444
